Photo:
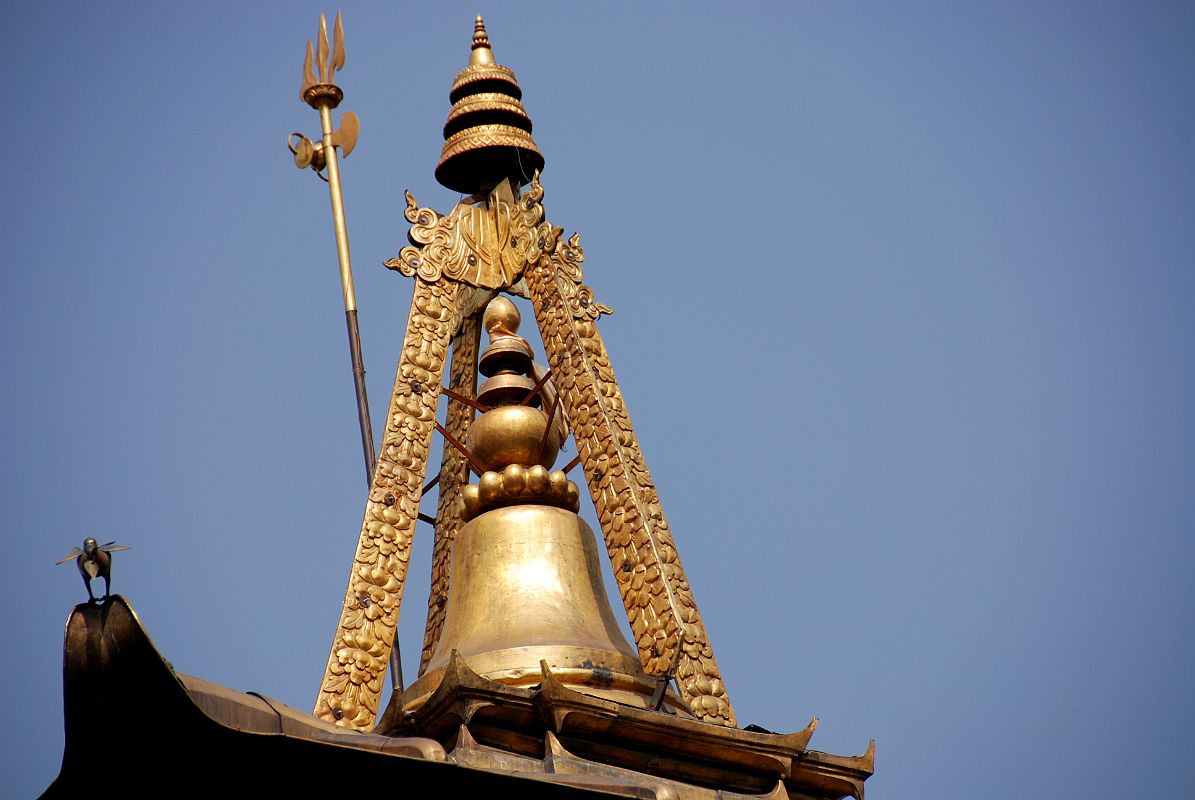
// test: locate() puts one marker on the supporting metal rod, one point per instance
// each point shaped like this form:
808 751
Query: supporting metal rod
535 389
543 440
477 467
396 666
323 95
363 422
340 229
460 398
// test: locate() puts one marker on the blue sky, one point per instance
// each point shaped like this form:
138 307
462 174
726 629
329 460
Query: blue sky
902 319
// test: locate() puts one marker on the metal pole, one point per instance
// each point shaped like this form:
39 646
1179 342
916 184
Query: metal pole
340 229
323 95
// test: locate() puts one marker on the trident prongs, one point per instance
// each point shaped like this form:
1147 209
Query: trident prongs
323 95
327 66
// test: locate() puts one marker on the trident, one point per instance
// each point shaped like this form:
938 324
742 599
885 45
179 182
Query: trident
323 95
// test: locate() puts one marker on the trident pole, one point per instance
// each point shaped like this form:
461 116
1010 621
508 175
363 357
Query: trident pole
350 294
323 95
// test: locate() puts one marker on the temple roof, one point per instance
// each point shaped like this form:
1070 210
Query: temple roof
152 728
527 685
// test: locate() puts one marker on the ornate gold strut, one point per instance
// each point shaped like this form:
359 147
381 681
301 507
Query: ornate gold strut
498 240
647 568
659 603
356 667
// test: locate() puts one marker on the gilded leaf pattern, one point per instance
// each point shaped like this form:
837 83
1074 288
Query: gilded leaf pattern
647 568
454 474
356 670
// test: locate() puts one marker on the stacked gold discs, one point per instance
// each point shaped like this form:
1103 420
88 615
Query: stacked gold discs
487 137
515 441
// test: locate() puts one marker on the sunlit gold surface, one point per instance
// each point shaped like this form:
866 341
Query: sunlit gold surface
327 60
481 53
454 475
503 242
518 485
486 101
651 580
488 246
501 316
356 669
339 227
505 389
526 587
508 354
488 134
485 72
512 435
323 95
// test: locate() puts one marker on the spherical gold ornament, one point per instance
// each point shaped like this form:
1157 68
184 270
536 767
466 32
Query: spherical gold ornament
490 486
514 480
537 480
511 435
501 312
471 501
557 483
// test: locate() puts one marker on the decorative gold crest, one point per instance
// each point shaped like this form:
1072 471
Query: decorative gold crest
487 245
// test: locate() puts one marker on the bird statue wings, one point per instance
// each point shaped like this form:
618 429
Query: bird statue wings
94 561
110 547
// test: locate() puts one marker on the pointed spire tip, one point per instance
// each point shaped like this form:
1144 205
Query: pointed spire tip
482 54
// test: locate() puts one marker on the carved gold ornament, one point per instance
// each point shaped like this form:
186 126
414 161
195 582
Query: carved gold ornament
487 246
454 475
356 669
493 246
647 568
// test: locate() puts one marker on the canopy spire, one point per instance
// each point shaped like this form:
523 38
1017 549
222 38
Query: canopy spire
482 54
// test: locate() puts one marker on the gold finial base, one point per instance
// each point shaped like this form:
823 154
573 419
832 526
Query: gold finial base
517 485
322 95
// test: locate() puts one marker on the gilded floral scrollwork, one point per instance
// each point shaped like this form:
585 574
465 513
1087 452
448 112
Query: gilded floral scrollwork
647 568
454 474
484 245
578 296
356 669
508 247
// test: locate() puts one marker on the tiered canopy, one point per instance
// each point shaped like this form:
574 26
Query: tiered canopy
488 134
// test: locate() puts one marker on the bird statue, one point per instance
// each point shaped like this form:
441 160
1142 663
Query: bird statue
94 561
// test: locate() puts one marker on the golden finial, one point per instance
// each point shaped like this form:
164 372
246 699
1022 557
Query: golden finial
487 138
482 54
501 318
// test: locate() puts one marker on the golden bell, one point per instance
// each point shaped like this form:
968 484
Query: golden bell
526 587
